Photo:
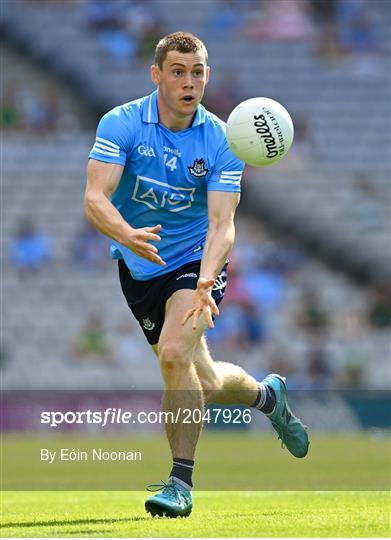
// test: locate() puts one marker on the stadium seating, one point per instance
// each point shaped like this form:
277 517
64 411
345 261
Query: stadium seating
45 311
346 109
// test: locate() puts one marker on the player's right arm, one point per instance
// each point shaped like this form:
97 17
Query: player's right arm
102 180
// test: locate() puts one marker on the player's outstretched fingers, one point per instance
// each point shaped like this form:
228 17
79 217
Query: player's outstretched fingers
152 256
208 317
150 234
196 316
158 260
213 307
187 316
151 237
155 229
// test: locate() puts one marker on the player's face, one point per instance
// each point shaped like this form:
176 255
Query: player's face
181 82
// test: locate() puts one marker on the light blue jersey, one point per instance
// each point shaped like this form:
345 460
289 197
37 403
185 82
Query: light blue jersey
165 179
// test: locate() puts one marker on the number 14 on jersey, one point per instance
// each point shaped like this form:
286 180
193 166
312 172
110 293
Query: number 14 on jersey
170 163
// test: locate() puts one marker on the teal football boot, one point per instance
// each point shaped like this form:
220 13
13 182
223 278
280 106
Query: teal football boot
290 429
173 501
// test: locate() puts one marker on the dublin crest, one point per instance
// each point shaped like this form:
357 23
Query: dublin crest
198 168
148 324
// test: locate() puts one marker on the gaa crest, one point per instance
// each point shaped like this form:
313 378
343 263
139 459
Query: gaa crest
198 168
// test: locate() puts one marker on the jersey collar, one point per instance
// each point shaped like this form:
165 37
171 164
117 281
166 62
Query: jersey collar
151 114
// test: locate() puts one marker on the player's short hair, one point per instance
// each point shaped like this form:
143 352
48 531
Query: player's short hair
182 42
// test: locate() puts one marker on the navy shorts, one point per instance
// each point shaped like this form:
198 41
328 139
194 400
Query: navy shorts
147 298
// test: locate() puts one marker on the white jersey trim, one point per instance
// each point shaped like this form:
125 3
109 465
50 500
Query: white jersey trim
236 182
100 151
231 176
104 147
109 143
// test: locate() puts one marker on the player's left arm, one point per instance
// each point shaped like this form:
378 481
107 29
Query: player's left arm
219 242
221 232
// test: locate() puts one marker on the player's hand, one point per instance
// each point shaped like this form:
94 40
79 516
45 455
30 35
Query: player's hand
138 243
203 303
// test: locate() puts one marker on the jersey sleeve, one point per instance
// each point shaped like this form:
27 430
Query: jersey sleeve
227 172
114 138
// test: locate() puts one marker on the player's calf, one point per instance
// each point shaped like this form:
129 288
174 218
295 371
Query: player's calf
211 386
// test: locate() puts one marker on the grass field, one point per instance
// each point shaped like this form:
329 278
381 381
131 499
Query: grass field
216 514
340 489
225 461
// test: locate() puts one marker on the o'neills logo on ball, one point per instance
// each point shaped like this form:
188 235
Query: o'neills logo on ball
262 127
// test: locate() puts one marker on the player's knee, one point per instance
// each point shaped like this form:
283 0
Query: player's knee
172 356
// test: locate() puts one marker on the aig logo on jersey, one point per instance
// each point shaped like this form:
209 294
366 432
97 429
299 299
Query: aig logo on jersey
146 151
158 195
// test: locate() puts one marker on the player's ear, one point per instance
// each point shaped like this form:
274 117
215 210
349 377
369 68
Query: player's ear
155 74
207 74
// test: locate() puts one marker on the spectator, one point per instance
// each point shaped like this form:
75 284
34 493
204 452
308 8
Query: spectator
274 357
283 20
100 15
241 326
223 97
353 371
349 32
142 18
108 20
318 373
91 248
147 42
266 284
312 316
226 17
40 111
284 256
129 348
354 350
134 357
280 360
356 28
302 157
91 344
368 205
4 355
30 251
324 14
9 110
380 308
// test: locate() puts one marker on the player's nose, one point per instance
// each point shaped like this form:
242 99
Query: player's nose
188 82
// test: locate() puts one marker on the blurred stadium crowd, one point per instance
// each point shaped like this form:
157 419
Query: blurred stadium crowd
308 291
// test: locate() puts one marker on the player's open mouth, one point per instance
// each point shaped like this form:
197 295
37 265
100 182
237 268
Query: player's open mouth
188 99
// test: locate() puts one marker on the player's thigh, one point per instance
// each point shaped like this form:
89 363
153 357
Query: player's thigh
177 339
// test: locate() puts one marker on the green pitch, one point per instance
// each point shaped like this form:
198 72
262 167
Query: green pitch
263 491
225 461
216 514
